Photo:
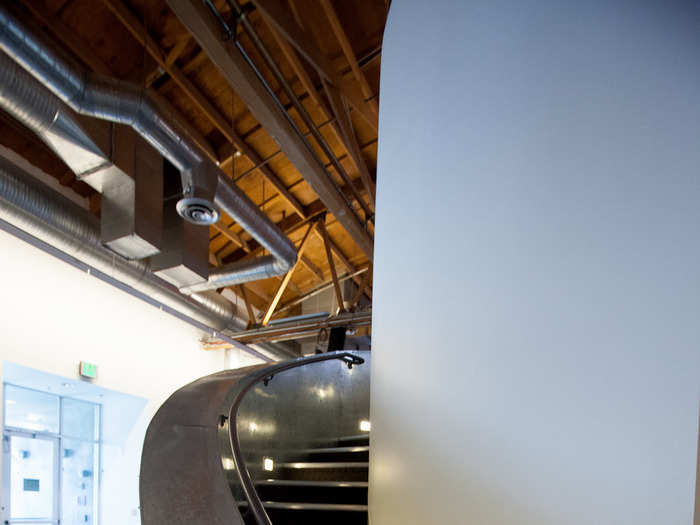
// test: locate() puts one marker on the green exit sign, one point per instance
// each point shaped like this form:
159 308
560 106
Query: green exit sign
88 370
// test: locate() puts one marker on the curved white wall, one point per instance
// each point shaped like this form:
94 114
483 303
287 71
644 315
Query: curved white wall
536 335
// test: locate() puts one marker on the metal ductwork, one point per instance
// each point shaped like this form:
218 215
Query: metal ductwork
32 207
205 186
123 168
245 271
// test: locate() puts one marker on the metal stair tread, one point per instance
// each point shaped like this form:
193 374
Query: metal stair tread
331 450
335 507
303 483
324 465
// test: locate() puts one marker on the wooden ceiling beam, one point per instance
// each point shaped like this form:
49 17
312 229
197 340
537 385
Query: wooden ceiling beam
331 264
348 52
350 140
335 249
66 36
249 308
275 12
134 26
360 288
173 54
225 155
311 209
321 288
229 60
339 127
289 225
287 278
312 267
231 235
226 158
256 295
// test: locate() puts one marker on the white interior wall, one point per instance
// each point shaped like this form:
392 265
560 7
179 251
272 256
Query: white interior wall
52 316
537 208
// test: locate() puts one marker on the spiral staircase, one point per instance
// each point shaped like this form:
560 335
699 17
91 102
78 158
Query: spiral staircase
276 444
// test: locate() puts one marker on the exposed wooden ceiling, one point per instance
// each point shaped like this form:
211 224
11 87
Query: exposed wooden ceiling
329 51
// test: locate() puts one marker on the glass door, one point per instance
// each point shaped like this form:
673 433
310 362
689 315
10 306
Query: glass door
30 463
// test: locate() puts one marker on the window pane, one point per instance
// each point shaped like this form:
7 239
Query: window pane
78 482
32 478
80 419
31 410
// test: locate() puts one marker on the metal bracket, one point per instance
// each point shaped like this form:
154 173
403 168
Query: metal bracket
351 359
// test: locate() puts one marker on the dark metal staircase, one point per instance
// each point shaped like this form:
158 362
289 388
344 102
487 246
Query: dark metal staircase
324 484
272 444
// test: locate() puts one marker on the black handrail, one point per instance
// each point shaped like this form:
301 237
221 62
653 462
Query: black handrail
255 505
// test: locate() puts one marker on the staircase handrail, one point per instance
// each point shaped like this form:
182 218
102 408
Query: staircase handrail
255 504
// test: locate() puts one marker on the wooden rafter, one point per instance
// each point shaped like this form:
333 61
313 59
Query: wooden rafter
349 138
344 189
67 36
322 143
331 264
294 185
231 235
135 27
173 54
281 18
318 89
287 278
340 128
327 285
231 63
244 294
315 270
290 224
360 288
335 249
348 52
257 295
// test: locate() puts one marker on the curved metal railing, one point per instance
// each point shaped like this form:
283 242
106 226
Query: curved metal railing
264 375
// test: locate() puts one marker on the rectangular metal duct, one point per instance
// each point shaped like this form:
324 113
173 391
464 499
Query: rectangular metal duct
184 254
132 189
110 158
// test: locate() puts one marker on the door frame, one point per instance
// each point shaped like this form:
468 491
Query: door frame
7 435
